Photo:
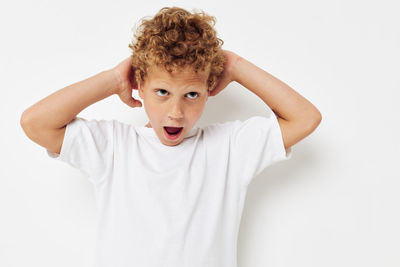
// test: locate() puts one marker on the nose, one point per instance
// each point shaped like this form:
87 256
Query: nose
175 112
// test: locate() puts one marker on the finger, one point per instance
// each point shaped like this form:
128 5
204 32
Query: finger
218 87
139 103
135 103
130 101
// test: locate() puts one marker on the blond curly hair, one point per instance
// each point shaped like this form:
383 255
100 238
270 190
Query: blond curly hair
175 38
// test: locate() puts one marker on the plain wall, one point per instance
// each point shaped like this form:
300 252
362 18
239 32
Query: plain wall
335 203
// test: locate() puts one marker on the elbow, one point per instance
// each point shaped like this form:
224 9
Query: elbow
310 120
26 122
24 118
314 120
317 117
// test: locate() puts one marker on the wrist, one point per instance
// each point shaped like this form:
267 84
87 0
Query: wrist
234 71
115 76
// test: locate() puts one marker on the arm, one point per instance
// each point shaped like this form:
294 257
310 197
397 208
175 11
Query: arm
45 121
61 107
297 117
58 109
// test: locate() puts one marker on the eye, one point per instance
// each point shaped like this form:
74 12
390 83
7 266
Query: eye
193 93
158 90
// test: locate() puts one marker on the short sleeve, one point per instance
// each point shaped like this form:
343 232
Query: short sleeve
88 146
256 143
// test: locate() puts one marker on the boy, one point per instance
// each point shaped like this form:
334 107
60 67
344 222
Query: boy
170 194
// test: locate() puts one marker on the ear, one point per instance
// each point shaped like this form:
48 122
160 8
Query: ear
140 89
139 84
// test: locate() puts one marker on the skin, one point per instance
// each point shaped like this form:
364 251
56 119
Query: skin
178 105
297 117
173 99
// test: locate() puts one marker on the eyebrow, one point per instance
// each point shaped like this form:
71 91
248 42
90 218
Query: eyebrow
160 85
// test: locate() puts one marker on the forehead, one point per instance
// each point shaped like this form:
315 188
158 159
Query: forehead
184 76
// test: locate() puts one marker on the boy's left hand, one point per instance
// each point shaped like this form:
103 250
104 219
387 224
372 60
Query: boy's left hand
227 76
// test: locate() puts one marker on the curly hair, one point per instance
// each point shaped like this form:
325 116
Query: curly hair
175 38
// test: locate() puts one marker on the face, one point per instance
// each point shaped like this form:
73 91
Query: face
174 99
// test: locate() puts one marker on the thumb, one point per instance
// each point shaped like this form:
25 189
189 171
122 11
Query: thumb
134 103
130 101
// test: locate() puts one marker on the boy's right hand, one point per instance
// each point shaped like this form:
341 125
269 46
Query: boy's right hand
124 72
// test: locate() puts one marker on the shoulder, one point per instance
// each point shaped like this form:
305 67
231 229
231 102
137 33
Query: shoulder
233 128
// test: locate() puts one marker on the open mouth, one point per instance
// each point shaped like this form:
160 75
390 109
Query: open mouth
172 133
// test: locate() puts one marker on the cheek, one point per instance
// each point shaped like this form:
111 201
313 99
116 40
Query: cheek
197 110
152 109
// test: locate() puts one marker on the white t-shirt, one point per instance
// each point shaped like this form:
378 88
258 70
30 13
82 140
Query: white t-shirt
170 206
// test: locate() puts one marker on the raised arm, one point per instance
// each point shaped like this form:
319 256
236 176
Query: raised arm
58 109
45 121
297 116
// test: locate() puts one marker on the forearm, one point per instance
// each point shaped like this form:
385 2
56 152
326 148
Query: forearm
58 109
282 99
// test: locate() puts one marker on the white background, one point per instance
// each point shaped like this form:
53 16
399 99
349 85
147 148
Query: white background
335 203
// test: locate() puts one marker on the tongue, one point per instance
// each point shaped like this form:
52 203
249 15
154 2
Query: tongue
173 130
